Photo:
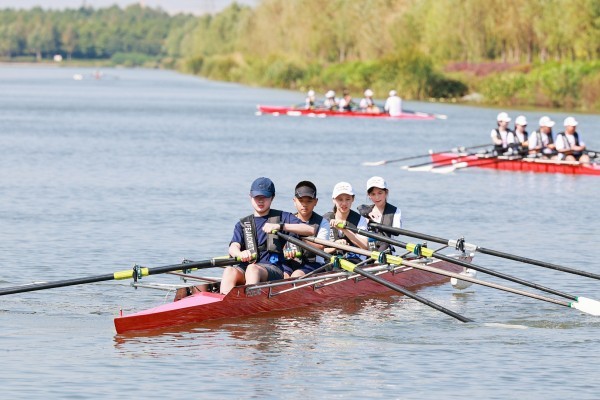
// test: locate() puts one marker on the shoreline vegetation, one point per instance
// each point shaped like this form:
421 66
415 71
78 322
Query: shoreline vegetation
514 53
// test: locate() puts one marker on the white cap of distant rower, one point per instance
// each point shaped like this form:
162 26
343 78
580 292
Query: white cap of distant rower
503 117
546 121
311 93
521 120
570 121
330 94
393 93
368 93
376 181
342 188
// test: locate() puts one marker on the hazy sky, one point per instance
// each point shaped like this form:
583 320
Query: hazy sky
171 6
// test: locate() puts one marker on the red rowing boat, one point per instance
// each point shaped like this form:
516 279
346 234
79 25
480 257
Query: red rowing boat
294 112
280 295
507 163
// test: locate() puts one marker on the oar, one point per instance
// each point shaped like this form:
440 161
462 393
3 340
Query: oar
429 166
583 304
456 149
136 272
431 253
460 244
348 266
425 114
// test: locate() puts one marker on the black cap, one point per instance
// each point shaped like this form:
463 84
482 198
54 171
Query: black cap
306 189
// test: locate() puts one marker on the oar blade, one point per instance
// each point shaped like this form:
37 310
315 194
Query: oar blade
424 168
374 163
588 306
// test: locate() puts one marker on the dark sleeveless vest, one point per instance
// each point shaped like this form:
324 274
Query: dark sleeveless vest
387 218
273 244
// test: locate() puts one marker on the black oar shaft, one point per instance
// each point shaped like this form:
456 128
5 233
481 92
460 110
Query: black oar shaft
544 264
399 261
117 275
465 264
483 250
377 279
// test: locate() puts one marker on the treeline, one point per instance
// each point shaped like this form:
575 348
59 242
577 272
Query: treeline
85 33
517 52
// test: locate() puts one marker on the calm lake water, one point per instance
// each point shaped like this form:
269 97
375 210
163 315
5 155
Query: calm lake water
152 167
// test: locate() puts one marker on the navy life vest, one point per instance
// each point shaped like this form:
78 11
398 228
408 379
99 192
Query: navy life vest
307 256
273 243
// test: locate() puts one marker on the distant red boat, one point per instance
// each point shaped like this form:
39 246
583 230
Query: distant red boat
515 164
295 112
280 295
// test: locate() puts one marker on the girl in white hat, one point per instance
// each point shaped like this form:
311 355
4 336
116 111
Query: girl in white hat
380 211
343 215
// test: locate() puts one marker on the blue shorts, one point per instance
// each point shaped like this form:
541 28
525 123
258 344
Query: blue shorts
306 268
275 273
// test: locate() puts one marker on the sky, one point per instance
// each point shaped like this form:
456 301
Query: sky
171 6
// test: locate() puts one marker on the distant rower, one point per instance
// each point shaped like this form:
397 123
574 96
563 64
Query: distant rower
521 134
503 138
331 103
569 144
310 101
367 104
393 104
541 142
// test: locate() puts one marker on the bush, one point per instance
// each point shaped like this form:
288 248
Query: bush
132 59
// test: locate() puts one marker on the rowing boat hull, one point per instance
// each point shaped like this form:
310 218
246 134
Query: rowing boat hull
522 164
245 301
291 111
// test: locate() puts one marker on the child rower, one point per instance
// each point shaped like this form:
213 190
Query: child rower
305 200
343 197
569 145
502 137
541 143
380 211
254 242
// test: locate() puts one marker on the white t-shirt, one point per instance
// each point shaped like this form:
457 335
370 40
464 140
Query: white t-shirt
507 137
561 145
366 103
323 233
330 103
393 105
545 138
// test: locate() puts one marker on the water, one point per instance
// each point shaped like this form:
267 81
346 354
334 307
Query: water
151 167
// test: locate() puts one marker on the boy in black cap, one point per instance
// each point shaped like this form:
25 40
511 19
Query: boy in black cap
254 243
305 200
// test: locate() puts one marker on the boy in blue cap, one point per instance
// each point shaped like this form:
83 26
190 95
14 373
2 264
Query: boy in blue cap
253 242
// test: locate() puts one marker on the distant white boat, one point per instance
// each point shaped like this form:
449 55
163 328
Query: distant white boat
97 75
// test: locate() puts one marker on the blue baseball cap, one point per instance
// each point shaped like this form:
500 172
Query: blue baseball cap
262 187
